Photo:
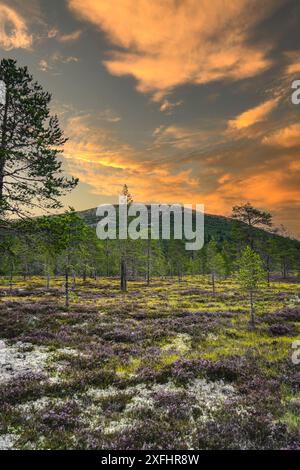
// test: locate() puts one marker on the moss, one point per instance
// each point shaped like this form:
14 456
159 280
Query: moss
128 369
292 420
168 359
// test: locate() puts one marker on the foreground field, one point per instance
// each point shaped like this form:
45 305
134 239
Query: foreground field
170 366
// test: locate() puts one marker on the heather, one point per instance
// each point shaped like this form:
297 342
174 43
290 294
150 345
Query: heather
165 366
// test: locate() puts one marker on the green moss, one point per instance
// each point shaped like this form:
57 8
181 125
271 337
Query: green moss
168 359
292 420
128 369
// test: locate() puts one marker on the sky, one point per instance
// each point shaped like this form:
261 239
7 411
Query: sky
185 101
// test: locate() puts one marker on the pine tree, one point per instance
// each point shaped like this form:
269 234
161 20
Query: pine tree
126 193
10 250
215 262
124 245
66 235
252 217
250 276
30 143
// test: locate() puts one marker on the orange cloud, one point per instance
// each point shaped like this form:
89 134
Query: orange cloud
287 137
294 65
268 189
71 37
271 190
184 138
94 145
167 106
166 44
13 30
96 156
158 186
254 115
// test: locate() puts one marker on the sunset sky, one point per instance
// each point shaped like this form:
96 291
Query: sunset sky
186 101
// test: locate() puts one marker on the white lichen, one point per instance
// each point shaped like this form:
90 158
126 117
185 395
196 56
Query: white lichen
180 343
19 359
7 441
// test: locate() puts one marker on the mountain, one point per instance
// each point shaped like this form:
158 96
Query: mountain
216 226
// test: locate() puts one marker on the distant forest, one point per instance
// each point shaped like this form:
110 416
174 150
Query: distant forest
67 243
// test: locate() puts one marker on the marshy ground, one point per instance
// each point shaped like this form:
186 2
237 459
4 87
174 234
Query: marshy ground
170 366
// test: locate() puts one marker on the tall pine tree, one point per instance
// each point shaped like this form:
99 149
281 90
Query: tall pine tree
30 144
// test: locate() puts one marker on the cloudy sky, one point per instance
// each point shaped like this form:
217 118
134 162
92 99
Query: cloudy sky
186 101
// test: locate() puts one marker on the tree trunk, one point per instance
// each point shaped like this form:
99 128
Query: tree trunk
284 269
25 273
148 261
67 283
48 280
251 242
3 145
123 275
213 283
252 322
73 280
268 270
107 259
47 275
11 280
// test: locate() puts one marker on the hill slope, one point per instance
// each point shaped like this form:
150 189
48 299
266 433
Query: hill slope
216 226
